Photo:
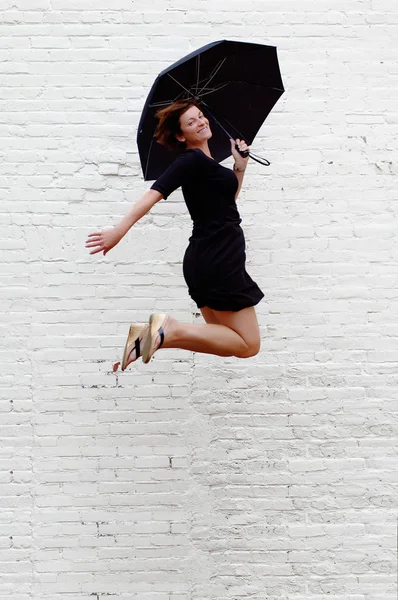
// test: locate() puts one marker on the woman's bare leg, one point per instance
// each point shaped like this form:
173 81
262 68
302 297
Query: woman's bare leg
226 333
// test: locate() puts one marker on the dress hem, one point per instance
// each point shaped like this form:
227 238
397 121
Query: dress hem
232 307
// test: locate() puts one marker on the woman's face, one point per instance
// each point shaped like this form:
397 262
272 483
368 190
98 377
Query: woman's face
195 127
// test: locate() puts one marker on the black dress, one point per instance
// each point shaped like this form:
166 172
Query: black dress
214 261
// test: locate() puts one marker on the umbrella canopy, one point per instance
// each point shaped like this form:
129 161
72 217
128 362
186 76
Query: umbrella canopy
235 83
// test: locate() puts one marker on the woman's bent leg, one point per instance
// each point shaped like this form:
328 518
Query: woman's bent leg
236 334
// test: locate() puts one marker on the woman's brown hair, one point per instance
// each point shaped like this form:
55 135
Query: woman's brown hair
169 124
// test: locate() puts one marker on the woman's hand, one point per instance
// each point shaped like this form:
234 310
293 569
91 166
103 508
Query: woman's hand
103 241
239 160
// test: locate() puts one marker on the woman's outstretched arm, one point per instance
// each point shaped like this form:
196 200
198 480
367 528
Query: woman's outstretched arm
103 241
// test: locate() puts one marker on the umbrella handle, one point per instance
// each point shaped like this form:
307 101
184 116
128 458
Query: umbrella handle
259 159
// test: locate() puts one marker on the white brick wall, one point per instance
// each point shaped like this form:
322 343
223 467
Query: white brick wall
197 477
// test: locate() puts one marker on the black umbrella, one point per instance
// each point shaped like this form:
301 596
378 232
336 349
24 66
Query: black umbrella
236 85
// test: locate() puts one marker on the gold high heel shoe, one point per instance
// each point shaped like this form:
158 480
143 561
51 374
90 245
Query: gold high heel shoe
135 338
156 324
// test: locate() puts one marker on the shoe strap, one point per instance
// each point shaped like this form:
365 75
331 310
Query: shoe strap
161 333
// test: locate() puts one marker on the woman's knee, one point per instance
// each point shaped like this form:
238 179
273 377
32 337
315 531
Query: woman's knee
244 323
252 349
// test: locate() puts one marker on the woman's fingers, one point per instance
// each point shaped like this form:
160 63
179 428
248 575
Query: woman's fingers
96 251
241 144
103 241
95 245
94 238
95 241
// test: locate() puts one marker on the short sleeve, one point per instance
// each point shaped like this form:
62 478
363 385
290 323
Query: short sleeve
181 170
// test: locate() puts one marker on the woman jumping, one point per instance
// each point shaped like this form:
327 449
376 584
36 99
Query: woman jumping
214 261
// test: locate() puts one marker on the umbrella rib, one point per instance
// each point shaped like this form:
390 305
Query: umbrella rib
210 91
148 157
215 71
180 84
160 103
197 71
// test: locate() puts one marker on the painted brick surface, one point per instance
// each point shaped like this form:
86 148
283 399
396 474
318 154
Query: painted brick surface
197 477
